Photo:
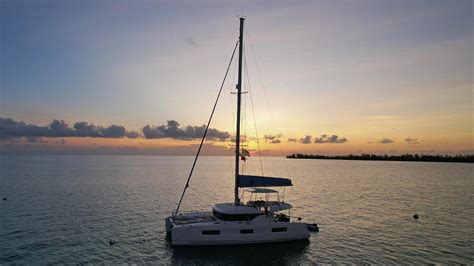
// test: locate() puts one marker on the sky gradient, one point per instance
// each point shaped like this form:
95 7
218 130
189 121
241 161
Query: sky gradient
330 77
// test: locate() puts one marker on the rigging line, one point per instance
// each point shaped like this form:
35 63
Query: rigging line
245 120
205 132
253 113
244 123
266 98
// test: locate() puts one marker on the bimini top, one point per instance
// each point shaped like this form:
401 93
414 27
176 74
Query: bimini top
261 190
262 181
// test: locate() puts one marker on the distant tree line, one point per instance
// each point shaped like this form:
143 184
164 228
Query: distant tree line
469 158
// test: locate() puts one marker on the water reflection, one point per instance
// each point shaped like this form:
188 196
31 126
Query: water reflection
66 209
279 253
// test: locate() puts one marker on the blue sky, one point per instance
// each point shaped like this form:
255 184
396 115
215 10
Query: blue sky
362 69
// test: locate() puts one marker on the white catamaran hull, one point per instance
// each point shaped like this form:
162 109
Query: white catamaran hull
260 230
258 221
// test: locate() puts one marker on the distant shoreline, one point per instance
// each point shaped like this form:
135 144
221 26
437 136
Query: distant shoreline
402 158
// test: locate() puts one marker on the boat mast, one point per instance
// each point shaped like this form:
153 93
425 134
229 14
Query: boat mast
239 94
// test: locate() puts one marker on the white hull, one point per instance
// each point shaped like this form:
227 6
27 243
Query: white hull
258 221
262 229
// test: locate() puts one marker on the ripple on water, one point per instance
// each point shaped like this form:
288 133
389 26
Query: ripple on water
64 209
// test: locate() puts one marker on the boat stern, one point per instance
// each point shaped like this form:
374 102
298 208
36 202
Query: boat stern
169 223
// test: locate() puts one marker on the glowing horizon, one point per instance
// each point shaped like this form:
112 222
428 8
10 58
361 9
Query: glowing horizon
380 76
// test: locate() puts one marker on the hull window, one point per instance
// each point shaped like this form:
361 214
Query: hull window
279 229
246 231
211 232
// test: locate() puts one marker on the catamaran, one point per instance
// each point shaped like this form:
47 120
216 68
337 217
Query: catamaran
251 222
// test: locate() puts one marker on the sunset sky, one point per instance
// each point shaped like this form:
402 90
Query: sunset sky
327 77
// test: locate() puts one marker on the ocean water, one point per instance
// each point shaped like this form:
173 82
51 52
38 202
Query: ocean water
61 209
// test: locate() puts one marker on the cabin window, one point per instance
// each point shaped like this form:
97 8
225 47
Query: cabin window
234 217
246 231
279 229
211 232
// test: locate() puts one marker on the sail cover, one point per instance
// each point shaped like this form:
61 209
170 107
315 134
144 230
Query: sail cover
263 181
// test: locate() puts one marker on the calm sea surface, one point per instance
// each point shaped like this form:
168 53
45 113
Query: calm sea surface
62 209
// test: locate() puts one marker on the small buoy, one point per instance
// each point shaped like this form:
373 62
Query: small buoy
4 198
415 216
111 242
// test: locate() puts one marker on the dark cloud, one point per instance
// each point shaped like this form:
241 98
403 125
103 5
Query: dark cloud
133 135
306 140
113 131
84 129
10 129
292 140
411 141
273 139
212 133
269 137
174 131
329 139
385 141
243 138
59 128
